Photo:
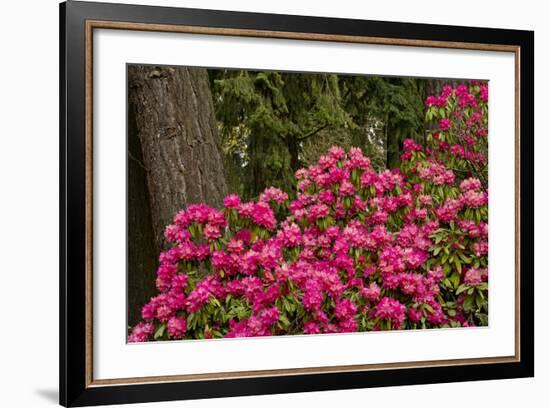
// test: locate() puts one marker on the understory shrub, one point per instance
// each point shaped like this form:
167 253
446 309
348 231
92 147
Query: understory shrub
356 250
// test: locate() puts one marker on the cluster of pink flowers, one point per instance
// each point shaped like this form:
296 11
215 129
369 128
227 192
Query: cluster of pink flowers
460 115
273 194
440 100
357 251
474 276
464 97
437 173
392 310
141 332
259 213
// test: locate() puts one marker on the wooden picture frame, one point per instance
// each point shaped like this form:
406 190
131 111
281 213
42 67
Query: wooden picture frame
78 20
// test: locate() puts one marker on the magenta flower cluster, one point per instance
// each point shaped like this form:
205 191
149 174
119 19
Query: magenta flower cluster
460 116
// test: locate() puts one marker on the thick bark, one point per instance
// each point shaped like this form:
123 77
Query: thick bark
142 255
174 159
179 140
294 151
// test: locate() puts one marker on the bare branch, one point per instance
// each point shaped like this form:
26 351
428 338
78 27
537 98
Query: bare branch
312 133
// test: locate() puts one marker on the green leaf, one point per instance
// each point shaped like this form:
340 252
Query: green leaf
479 301
480 294
458 266
455 279
483 286
191 320
468 303
284 320
464 258
160 332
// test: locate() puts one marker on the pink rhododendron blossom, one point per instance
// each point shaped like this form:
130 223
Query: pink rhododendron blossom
177 327
345 309
414 314
311 328
470 184
141 332
392 310
232 201
211 233
372 292
273 194
445 124
475 276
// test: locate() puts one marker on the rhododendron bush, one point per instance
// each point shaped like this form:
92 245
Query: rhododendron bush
355 250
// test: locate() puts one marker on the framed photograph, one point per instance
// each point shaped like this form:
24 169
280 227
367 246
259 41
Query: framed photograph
257 204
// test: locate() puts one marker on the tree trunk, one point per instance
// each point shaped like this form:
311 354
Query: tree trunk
179 140
142 254
294 151
174 159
